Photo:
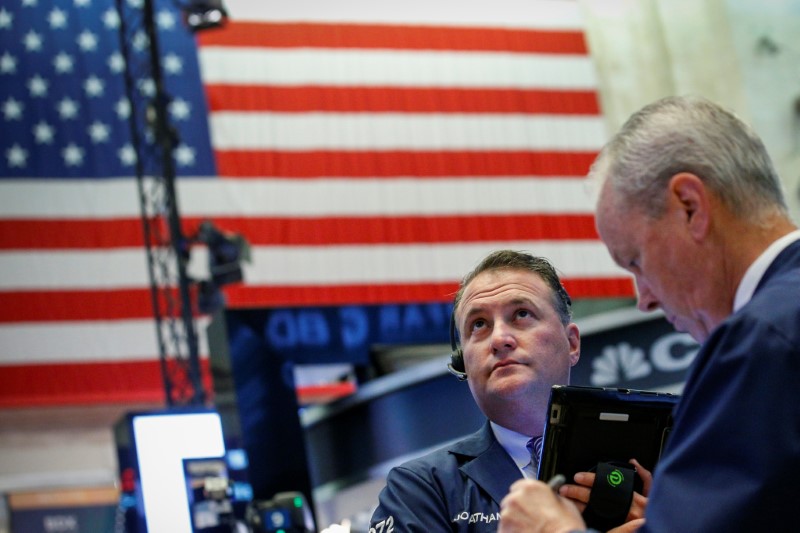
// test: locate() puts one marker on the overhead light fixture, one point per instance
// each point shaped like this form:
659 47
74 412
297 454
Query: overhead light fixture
204 14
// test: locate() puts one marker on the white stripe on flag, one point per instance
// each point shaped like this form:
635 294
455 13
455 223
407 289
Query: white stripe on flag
59 342
381 68
250 197
552 14
398 263
405 131
295 265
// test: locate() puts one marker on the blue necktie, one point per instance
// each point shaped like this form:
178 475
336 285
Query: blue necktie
535 448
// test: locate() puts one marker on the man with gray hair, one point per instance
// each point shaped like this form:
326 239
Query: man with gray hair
691 205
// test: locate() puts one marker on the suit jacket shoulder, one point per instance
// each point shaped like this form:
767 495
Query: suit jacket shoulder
455 488
732 463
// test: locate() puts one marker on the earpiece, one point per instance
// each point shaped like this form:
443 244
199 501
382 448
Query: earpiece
456 365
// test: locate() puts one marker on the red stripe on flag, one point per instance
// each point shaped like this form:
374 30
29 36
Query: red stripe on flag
621 287
126 382
355 164
324 231
79 305
387 36
88 305
305 231
81 383
409 100
276 296
86 383
285 296
82 234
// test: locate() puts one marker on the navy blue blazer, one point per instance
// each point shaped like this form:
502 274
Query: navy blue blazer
456 488
732 462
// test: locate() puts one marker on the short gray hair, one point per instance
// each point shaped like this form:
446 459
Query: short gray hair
691 134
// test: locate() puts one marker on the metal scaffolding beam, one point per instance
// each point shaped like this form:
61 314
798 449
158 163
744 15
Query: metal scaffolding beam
168 249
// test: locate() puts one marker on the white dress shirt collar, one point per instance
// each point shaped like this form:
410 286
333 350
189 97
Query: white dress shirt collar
514 443
756 271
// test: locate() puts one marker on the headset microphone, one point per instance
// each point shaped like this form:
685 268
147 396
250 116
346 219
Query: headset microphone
456 364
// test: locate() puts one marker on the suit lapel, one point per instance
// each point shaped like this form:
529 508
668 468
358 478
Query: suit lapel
491 467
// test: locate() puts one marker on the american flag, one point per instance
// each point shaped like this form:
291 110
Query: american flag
369 153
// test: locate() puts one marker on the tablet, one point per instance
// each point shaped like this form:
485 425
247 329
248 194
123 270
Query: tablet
591 425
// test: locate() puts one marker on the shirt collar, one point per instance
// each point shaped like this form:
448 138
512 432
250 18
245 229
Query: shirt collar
514 443
756 271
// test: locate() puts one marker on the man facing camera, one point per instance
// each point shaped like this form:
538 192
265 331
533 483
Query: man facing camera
517 339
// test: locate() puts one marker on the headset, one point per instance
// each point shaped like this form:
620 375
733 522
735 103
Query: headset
456 364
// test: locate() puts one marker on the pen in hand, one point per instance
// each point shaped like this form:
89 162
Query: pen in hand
556 482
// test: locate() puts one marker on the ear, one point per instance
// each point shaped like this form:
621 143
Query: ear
574 338
690 197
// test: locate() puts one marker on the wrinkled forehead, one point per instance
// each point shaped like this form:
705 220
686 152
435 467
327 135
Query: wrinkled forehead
502 285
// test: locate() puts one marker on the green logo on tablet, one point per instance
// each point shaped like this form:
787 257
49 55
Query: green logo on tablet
615 478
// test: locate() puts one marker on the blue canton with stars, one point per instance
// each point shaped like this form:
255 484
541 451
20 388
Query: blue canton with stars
64 110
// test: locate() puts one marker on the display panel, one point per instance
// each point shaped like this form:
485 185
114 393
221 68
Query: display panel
588 425
163 441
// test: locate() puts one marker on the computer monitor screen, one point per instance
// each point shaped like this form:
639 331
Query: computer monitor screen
163 441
